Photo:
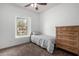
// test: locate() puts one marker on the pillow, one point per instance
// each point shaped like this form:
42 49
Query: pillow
36 33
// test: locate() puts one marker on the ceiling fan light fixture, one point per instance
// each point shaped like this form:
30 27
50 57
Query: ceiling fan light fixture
35 5
36 8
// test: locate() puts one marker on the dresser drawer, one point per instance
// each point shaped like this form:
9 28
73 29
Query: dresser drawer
74 29
61 28
67 34
67 42
68 48
72 38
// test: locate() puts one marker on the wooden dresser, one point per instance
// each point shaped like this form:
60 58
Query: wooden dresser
67 38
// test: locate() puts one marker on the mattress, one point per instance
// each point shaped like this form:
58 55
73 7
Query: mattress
44 41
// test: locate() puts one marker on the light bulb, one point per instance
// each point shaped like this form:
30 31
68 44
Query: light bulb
32 5
35 4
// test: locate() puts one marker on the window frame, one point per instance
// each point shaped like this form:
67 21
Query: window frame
28 19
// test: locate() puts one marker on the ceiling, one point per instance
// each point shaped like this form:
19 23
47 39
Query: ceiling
42 8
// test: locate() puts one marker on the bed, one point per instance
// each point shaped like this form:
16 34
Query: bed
44 41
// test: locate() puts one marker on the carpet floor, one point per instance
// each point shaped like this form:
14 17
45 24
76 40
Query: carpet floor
31 49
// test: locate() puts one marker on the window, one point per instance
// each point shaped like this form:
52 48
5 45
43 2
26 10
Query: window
22 27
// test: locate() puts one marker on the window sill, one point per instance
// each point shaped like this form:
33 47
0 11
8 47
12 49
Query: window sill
22 36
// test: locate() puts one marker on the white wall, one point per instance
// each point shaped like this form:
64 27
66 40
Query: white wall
61 15
8 12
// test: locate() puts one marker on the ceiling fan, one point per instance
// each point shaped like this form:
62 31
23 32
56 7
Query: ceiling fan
35 5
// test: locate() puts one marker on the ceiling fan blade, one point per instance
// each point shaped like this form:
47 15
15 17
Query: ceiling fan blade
42 3
27 5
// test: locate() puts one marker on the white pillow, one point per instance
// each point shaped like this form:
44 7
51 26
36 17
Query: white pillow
36 33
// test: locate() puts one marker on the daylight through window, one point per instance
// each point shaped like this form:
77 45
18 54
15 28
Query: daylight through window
23 27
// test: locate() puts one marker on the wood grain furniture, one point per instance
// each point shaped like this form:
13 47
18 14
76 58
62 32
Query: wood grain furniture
67 38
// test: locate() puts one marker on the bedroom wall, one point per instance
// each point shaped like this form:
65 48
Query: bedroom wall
60 15
8 12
